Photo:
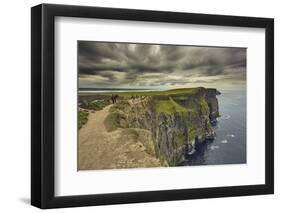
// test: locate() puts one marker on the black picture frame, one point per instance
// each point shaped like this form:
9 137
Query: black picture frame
43 102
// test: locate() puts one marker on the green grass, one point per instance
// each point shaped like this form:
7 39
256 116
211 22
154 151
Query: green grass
111 122
192 133
119 106
183 91
163 161
115 120
203 105
169 107
180 139
141 135
93 105
83 118
130 132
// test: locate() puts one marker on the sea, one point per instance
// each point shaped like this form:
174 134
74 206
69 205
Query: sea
229 146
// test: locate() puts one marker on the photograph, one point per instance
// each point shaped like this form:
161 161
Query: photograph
140 105
160 105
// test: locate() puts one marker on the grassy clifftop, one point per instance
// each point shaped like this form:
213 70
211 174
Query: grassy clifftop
182 91
177 119
170 106
182 100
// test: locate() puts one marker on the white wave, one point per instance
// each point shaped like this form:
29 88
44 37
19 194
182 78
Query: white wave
191 152
224 117
230 135
224 141
213 147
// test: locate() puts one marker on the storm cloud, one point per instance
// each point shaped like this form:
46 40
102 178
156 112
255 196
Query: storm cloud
113 65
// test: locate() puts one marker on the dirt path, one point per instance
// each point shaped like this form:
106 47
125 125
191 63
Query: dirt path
99 149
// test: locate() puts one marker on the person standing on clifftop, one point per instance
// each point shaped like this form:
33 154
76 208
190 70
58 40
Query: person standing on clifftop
113 99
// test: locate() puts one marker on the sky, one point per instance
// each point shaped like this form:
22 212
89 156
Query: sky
150 66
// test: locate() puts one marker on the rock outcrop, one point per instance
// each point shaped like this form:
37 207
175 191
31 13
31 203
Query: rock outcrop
178 121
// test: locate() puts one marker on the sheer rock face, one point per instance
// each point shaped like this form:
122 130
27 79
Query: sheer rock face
176 129
213 104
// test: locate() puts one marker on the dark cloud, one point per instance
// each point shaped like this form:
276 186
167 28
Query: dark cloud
124 64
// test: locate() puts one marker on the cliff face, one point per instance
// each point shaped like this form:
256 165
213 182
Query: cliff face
213 104
177 121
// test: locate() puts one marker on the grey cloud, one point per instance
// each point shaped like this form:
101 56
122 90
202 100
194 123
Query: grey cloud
152 64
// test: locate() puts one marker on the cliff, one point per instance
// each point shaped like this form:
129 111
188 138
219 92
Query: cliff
178 119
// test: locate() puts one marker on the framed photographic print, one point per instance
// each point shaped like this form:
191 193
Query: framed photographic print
139 106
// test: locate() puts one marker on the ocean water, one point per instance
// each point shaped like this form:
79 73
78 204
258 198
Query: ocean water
229 147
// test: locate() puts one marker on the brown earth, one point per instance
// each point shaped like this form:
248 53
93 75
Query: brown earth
100 149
